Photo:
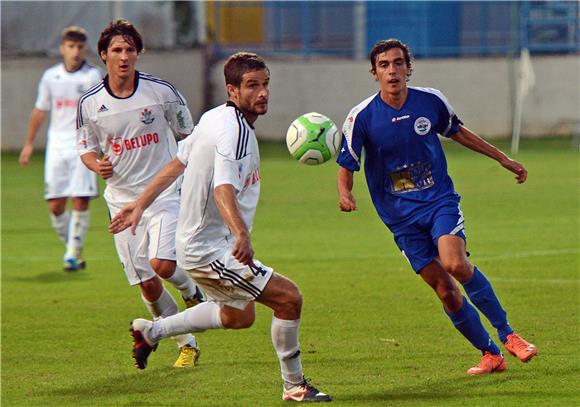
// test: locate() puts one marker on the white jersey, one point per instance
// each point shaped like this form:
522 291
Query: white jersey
222 150
136 132
59 91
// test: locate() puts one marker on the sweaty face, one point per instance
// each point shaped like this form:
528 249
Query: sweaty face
73 54
120 58
253 93
391 71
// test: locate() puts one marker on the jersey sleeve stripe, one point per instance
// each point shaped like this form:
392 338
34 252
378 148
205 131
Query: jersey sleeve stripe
242 137
443 99
163 82
349 123
88 93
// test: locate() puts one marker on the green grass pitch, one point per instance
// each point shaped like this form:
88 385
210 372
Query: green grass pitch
373 334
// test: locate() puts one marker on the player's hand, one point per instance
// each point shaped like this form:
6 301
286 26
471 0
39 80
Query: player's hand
516 168
105 167
25 154
129 216
243 251
347 203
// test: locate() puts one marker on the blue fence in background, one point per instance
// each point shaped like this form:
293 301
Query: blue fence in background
432 29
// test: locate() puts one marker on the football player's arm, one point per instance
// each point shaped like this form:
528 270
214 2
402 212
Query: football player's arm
472 141
130 215
37 118
225 198
345 181
102 166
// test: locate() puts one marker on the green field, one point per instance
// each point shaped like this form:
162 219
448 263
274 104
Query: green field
373 334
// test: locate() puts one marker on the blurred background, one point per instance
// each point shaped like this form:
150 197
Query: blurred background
317 52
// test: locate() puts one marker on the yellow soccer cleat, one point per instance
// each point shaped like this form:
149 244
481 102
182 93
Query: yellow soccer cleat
188 356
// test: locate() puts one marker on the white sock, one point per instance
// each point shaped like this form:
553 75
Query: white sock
285 340
197 319
60 225
165 306
77 230
182 282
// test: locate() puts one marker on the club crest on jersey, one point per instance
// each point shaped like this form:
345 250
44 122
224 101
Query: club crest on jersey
422 126
147 116
81 89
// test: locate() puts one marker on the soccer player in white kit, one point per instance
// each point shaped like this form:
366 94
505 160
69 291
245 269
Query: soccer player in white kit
221 186
132 119
65 176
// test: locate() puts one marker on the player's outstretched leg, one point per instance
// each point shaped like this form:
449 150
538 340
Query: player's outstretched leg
481 293
166 306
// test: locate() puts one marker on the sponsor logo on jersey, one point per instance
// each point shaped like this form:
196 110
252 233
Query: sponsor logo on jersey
252 178
147 116
102 109
141 141
422 126
64 103
399 118
116 145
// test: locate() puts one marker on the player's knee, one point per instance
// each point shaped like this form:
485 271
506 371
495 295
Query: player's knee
459 269
291 304
163 268
151 289
238 322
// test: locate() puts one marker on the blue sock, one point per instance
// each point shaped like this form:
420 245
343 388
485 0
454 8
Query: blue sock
480 292
467 321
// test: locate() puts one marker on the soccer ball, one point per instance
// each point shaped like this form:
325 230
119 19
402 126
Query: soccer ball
313 138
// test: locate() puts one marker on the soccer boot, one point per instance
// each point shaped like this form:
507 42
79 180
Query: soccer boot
73 264
142 344
489 364
520 348
188 356
304 392
196 299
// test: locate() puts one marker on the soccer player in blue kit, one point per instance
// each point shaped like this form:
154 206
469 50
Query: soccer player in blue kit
406 173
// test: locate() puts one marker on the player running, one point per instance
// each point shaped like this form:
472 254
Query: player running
65 176
406 173
126 127
220 192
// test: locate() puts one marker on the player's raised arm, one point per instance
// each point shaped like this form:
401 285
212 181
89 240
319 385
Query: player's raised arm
225 199
345 181
130 215
472 141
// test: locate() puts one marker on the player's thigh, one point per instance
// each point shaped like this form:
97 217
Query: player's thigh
228 282
416 246
280 292
132 252
161 223
83 182
56 174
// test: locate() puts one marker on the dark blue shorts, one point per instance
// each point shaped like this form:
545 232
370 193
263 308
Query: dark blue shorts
418 240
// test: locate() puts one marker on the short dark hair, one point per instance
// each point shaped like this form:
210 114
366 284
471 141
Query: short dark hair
240 63
73 33
384 46
123 28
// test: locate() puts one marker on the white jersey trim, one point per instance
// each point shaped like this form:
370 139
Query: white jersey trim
442 97
348 126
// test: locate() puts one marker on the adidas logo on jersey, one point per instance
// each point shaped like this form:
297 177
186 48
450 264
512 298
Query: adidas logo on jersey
103 108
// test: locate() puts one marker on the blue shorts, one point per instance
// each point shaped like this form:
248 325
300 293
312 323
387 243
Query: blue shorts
418 240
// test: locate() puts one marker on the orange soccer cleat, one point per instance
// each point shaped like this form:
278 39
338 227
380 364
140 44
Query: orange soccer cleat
520 348
489 364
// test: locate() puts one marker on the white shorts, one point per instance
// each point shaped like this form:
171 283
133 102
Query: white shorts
154 239
228 282
66 176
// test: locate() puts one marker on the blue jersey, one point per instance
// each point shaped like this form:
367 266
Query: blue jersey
405 167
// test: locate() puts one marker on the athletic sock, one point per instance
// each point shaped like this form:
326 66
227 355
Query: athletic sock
165 306
467 321
285 340
77 230
182 282
60 225
197 319
480 292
